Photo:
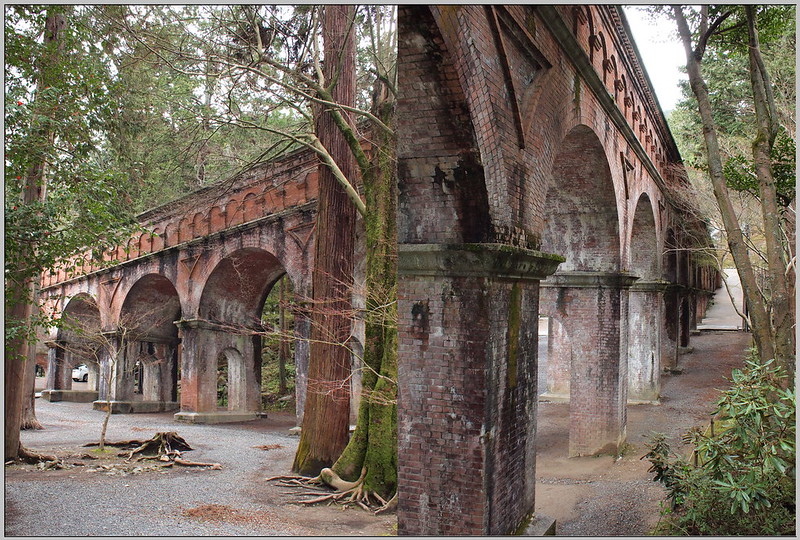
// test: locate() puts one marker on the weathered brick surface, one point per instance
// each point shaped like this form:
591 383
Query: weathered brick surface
467 399
527 126
531 126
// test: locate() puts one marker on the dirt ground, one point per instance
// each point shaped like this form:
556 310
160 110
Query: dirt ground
604 496
600 496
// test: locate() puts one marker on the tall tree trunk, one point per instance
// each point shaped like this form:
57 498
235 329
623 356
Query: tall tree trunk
759 318
767 127
21 288
373 445
327 410
29 420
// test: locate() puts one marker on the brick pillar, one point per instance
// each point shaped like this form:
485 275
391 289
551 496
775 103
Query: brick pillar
198 368
669 337
645 326
54 353
559 362
202 345
159 376
684 318
302 331
467 387
591 306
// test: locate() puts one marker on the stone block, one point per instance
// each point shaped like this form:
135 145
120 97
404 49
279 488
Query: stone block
219 417
75 396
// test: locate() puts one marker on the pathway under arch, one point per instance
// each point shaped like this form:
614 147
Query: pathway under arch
77 342
588 293
140 364
227 330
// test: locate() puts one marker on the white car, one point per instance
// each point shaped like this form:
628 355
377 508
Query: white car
80 373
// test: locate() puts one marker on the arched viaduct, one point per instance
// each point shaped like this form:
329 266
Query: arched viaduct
536 177
187 294
528 136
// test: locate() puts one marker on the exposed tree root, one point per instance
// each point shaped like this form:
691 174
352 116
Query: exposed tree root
166 446
29 456
346 493
162 443
31 424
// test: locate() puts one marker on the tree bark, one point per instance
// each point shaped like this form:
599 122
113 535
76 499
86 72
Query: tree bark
778 290
759 318
327 410
29 420
373 445
21 288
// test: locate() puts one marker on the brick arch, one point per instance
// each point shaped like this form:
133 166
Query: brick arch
643 243
145 243
233 212
81 315
150 307
582 222
170 234
184 230
447 172
157 239
77 341
199 225
237 286
148 337
251 206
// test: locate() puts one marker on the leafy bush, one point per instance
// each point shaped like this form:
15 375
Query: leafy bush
740 478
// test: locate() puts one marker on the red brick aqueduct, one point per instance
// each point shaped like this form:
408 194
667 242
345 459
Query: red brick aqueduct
535 172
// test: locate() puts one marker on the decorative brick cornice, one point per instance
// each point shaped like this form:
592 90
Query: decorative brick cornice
575 53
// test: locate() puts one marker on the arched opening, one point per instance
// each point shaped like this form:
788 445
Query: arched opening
586 347
554 342
645 319
143 353
73 361
581 209
644 252
239 329
278 347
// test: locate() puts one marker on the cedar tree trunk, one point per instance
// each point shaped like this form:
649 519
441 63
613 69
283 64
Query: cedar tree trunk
327 410
21 289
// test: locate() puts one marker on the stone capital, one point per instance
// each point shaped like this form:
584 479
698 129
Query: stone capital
656 285
475 260
583 280
203 324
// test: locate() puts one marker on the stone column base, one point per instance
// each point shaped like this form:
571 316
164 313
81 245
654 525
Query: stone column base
133 407
75 396
218 417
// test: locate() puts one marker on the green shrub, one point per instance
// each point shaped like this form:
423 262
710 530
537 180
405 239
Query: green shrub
740 478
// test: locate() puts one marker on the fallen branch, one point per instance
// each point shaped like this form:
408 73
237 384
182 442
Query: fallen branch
187 463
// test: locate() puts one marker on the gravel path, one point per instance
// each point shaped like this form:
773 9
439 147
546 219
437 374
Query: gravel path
604 496
80 502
